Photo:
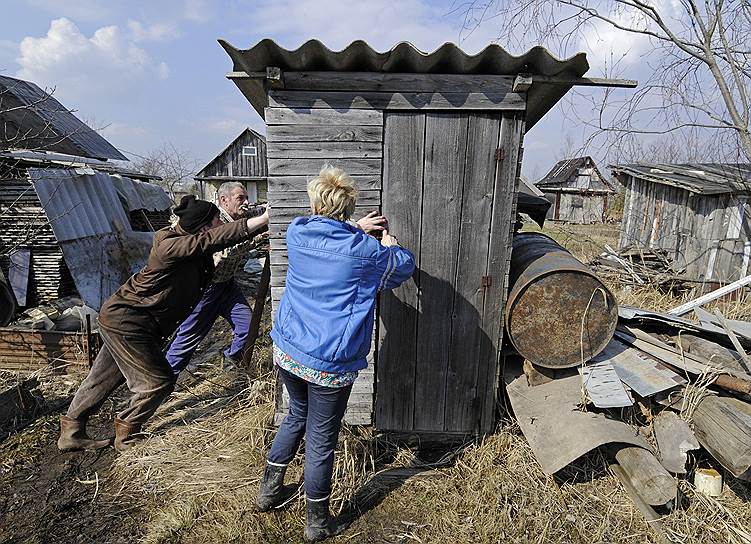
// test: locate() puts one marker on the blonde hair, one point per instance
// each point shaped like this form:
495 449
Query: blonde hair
333 193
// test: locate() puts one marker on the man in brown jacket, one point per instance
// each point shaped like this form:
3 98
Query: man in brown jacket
136 321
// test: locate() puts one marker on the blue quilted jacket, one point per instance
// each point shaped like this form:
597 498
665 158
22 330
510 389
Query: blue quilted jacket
325 317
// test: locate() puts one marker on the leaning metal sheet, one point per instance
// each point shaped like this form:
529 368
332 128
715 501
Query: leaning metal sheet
556 429
641 372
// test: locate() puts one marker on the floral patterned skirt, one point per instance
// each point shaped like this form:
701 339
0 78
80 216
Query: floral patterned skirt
318 377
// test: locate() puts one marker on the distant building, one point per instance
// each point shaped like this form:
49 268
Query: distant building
698 213
577 191
244 161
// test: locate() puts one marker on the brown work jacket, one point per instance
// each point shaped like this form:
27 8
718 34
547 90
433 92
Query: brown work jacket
155 300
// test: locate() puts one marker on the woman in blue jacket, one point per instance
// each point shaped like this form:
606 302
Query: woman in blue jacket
322 335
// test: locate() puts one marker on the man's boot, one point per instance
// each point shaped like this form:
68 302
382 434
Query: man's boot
73 436
273 492
127 435
318 522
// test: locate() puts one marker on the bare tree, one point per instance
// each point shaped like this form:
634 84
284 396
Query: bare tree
174 166
700 63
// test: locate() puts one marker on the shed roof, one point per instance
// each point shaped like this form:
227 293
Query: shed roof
48 124
201 174
41 159
700 178
406 58
563 170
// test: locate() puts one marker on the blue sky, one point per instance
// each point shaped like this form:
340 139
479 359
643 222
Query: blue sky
151 72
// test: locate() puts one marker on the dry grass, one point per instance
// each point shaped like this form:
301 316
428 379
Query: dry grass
199 473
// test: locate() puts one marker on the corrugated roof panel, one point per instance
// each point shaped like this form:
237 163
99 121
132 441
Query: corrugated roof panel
78 205
406 58
138 195
49 124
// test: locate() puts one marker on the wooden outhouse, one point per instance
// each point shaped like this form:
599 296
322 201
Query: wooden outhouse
698 213
243 161
434 141
577 191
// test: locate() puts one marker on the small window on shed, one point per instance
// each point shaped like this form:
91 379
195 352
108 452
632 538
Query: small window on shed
249 151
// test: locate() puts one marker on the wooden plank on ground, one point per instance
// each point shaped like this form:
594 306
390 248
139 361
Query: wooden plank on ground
394 82
323 133
402 197
324 150
723 427
305 116
445 149
467 354
488 100
311 167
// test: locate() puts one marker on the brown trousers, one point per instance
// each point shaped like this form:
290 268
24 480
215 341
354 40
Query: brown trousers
137 361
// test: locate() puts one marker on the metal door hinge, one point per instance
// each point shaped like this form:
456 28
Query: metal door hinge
500 154
487 281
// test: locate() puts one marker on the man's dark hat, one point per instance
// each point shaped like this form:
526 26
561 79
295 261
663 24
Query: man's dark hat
194 213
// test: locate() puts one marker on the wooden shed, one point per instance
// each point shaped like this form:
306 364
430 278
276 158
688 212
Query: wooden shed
434 141
577 191
244 161
698 213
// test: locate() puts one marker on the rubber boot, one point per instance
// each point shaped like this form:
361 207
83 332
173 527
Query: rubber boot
318 522
73 436
127 435
273 492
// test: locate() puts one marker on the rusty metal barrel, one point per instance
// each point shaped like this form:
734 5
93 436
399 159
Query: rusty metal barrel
557 311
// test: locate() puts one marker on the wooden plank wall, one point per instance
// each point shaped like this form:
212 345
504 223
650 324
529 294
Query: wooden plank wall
337 118
708 235
299 143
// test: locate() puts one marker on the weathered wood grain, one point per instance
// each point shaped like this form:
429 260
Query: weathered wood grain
394 82
723 427
325 150
402 198
653 483
311 166
468 352
282 216
300 199
445 151
324 133
306 116
279 184
499 260
488 100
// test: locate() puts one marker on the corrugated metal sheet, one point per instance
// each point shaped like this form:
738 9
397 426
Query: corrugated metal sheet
79 205
50 125
406 58
89 221
137 195
701 178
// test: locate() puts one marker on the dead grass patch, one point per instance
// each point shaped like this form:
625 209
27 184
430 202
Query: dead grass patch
199 474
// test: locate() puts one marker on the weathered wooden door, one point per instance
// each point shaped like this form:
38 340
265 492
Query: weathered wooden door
448 191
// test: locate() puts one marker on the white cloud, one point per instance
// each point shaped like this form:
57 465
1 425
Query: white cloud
158 32
107 63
